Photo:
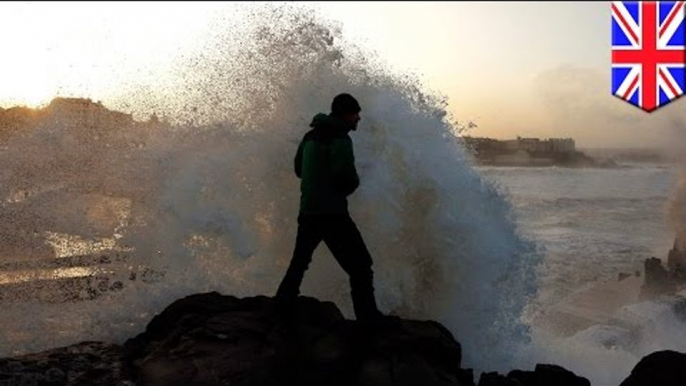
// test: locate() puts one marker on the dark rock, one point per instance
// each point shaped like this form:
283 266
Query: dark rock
543 375
55 375
495 379
526 378
210 339
553 374
86 363
657 280
465 377
15 366
660 281
676 262
664 368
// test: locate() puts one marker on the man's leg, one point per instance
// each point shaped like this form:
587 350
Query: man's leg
347 246
306 242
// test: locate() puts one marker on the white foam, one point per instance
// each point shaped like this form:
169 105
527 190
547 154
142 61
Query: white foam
215 207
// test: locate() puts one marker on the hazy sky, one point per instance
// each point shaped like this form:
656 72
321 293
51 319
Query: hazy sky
514 68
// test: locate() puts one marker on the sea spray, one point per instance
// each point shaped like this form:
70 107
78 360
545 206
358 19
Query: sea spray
677 211
442 239
214 204
605 353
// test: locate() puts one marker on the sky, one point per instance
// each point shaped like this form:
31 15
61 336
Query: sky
534 69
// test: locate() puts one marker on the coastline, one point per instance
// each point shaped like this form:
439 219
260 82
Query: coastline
531 152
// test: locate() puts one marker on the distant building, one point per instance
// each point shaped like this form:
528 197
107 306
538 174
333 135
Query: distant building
512 145
563 145
532 145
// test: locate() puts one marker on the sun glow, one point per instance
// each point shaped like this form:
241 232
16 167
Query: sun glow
32 92
93 50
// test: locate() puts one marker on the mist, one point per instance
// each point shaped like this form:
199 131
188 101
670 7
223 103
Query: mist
580 104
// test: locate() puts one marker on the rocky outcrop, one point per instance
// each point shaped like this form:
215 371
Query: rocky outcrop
210 339
661 281
543 375
86 363
658 280
676 261
659 368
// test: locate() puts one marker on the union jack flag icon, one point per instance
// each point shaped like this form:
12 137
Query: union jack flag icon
648 53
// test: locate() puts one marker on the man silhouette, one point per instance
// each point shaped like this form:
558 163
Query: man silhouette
325 163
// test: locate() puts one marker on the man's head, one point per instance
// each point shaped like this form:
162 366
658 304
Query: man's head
347 108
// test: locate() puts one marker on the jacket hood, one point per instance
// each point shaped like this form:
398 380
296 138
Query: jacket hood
329 122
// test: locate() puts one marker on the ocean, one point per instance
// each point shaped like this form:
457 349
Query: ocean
592 224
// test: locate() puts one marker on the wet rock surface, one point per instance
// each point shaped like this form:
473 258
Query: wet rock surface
543 375
659 368
213 339
86 363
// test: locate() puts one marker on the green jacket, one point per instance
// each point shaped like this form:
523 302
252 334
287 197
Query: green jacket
325 163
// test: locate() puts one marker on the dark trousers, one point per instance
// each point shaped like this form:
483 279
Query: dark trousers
346 245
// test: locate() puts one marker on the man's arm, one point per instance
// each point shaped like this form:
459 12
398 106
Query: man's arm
298 163
343 165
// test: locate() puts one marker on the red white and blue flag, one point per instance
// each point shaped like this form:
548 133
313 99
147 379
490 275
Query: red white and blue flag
648 53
